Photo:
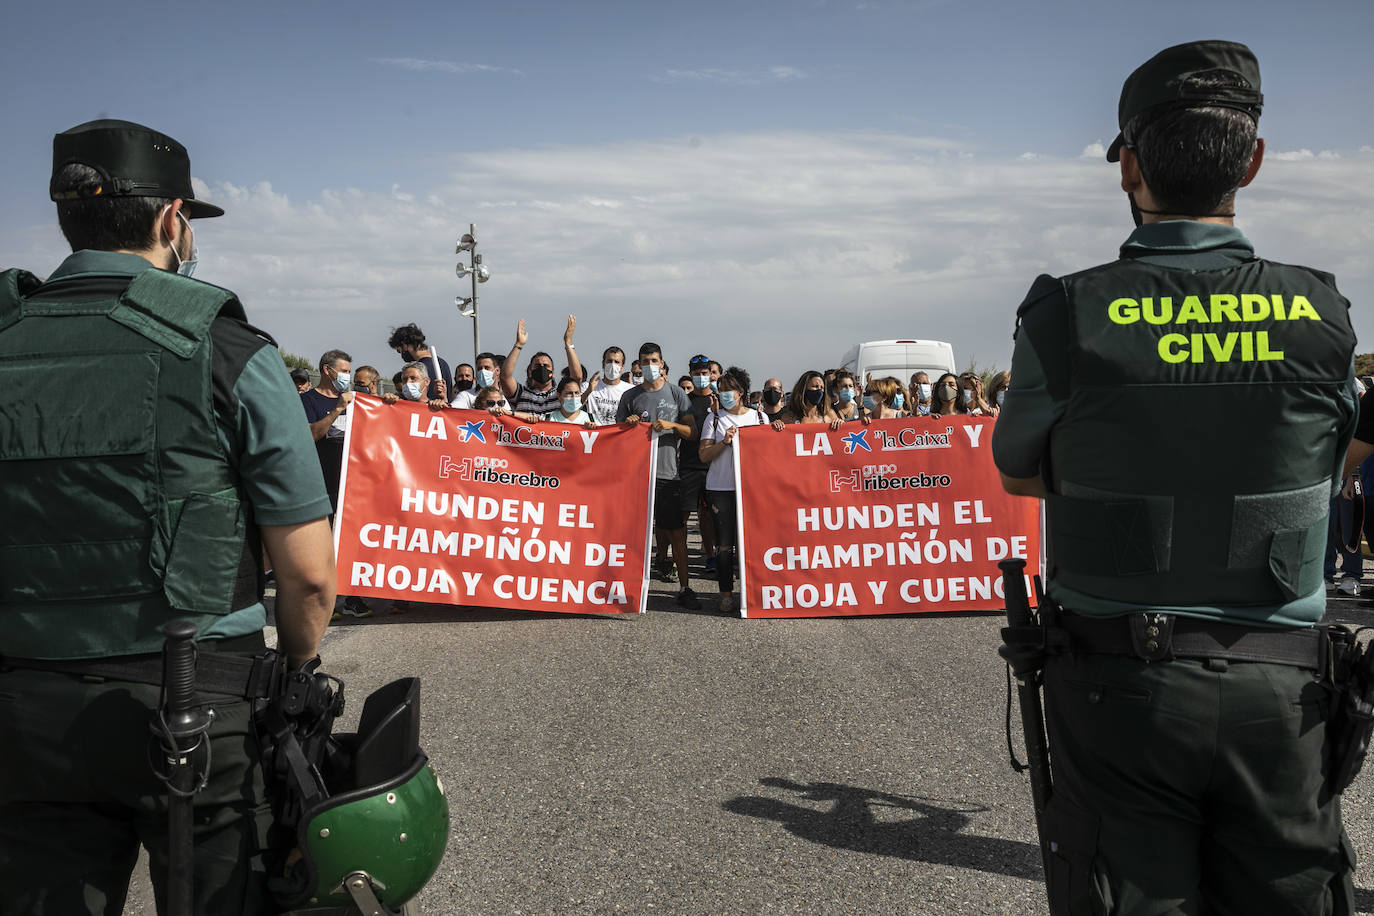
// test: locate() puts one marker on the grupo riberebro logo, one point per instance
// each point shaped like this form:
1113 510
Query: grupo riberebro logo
490 469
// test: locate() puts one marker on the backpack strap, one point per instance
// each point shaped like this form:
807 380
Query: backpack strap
173 311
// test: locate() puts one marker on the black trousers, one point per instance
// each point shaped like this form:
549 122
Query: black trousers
78 797
1192 787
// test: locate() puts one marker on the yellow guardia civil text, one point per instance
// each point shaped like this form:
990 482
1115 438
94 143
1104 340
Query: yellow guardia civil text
1221 345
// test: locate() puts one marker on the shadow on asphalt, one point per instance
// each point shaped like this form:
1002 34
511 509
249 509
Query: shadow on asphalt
851 822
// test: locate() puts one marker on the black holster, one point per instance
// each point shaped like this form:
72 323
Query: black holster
1351 725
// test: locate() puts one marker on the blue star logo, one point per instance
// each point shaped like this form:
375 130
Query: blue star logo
855 441
473 430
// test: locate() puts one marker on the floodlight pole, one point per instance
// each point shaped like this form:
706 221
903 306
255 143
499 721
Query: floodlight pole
476 260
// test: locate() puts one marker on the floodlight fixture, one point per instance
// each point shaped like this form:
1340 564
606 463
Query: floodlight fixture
466 307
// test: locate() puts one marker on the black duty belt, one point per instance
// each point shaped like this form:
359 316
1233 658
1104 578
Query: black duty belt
1160 637
222 666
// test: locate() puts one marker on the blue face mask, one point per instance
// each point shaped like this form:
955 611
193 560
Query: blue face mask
898 401
923 409
846 395
728 400
571 405
701 381
342 381
869 404
651 372
715 386
485 378
411 391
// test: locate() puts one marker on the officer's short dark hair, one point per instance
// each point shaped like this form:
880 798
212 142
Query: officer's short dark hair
104 223
1194 159
331 357
407 335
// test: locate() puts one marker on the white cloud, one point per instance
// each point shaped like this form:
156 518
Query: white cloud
732 77
441 66
1301 155
1094 150
775 251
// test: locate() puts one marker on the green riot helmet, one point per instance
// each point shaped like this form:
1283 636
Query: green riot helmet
378 835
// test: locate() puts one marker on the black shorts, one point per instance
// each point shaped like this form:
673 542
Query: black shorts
668 505
693 481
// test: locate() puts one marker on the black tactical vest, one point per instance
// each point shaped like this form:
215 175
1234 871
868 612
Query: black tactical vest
1194 462
120 509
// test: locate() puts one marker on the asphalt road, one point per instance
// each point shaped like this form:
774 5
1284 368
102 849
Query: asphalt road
684 762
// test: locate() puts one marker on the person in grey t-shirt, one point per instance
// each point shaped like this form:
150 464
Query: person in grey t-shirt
666 409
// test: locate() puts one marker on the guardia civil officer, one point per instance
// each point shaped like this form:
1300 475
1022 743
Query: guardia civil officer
145 500
1184 411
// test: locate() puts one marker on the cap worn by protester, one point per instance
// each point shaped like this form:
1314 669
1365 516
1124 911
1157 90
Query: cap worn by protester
131 160
1180 76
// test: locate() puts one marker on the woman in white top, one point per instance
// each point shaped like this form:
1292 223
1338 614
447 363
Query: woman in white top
570 405
717 447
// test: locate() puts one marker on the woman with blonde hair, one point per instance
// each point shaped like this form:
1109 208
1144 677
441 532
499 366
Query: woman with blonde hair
971 400
883 399
997 390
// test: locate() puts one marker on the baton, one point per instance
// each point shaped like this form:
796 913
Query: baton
183 729
1028 693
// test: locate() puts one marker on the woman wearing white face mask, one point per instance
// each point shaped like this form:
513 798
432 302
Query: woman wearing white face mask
971 400
997 390
570 405
717 449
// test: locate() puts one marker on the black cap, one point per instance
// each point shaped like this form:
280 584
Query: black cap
132 160
1164 79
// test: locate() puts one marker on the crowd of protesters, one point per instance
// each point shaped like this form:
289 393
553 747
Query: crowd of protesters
694 419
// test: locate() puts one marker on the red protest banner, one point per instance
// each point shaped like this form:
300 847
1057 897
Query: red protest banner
896 517
460 507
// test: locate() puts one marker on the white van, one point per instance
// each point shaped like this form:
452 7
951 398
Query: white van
899 358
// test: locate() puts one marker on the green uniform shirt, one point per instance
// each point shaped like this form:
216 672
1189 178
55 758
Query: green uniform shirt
258 422
1021 440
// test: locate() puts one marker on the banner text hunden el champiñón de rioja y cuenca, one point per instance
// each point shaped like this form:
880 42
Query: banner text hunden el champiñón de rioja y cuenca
896 517
461 507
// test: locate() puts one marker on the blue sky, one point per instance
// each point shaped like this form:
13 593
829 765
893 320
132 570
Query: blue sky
766 182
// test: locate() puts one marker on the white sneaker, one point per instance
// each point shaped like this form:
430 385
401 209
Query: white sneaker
1349 587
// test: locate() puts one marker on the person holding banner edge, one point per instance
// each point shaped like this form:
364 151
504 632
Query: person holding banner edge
1188 719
